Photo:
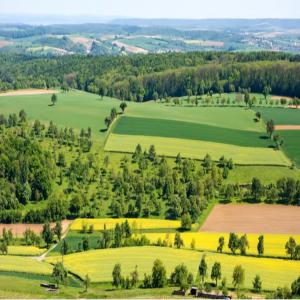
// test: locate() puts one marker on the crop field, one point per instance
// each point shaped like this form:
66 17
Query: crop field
138 224
24 265
291 144
284 116
254 218
99 264
190 131
25 250
208 241
197 149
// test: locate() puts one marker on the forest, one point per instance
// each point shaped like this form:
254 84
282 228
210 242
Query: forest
145 77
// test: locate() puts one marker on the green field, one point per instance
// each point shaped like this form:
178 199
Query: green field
280 116
197 149
189 131
267 174
74 109
291 144
99 264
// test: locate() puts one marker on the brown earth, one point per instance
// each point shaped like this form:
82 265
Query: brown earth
4 43
19 229
253 218
287 127
28 92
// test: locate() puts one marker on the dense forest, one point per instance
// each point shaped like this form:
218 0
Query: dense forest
145 77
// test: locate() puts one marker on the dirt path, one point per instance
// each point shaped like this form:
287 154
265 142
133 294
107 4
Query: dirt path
253 218
287 127
28 92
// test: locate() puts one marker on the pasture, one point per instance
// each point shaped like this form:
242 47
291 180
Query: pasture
136 224
197 149
253 218
208 241
99 264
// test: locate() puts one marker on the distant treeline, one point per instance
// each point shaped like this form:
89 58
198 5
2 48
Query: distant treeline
145 77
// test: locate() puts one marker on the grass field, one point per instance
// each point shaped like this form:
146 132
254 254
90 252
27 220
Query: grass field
99 264
227 117
267 174
208 241
138 224
280 116
291 144
197 149
24 265
189 131
25 250
73 109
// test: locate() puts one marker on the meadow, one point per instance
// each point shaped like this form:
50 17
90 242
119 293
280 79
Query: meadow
197 149
99 264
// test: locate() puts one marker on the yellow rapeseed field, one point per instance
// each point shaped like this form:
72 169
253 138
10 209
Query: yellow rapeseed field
98 264
134 223
25 250
274 244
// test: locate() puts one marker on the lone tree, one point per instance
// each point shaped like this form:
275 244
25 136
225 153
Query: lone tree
260 245
123 106
203 268
47 234
243 244
270 128
159 278
257 284
216 273
59 273
178 241
117 277
87 282
233 243
221 244
58 230
54 99
266 91
238 276
290 247
64 249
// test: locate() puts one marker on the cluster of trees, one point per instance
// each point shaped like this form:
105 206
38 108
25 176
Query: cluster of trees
285 191
144 77
292 249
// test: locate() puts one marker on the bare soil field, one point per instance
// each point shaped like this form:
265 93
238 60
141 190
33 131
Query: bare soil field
281 97
287 127
4 43
28 92
19 229
253 218
130 48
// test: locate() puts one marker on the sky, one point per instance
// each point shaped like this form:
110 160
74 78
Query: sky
185 9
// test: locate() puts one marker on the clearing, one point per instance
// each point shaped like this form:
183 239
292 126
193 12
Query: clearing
253 218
